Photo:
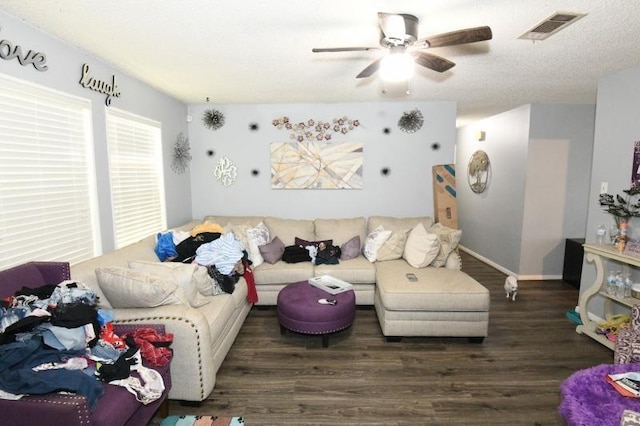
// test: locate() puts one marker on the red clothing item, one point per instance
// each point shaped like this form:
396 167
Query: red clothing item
252 294
154 347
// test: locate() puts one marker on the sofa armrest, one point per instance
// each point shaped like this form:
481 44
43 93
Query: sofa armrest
54 272
32 275
57 409
191 346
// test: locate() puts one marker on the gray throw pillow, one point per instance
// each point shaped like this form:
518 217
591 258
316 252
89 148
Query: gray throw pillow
350 249
272 252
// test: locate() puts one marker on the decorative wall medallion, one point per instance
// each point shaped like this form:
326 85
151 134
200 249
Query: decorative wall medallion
254 127
479 171
100 86
213 119
226 172
8 51
411 121
435 146
181 154
385 171
313 130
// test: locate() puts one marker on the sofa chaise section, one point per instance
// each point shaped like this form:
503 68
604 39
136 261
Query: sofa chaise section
441 302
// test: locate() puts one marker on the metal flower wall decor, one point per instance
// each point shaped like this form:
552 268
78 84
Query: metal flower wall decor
411 121
315 130
213 119
226 172
181 154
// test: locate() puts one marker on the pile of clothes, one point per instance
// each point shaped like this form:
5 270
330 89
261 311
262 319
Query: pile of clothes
208 245
54 338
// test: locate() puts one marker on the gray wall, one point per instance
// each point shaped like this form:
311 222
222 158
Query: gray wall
406 191
491 221
616 131
538 193
64 73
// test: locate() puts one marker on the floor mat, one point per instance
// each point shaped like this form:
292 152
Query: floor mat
192 420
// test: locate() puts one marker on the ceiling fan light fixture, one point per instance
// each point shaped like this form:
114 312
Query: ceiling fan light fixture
396 67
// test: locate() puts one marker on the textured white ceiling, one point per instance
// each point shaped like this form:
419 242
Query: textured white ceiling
260 51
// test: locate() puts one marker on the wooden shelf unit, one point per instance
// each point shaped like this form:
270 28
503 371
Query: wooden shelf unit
595 253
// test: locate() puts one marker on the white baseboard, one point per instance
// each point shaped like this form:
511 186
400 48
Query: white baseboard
508 272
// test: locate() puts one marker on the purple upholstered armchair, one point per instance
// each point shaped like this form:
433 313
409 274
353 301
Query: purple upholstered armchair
116 407
627 349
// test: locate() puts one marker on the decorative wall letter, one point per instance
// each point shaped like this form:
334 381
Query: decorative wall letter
8 51
99 86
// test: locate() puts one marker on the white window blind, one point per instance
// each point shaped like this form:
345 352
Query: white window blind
137 180
47 189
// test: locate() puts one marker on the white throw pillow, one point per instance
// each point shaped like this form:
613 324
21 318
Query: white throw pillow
421 247
374 241
128 288
182 274
257 237
449 239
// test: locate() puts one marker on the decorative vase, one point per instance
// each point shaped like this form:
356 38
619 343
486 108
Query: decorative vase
622 236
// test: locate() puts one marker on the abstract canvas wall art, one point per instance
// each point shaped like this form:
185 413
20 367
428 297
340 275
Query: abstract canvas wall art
311 165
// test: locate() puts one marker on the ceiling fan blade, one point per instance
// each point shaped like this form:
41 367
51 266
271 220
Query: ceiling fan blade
469 35
392 25
432 62
343 49
368 71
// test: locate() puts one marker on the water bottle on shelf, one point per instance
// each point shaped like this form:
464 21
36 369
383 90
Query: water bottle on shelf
601 234
614 231
619 285
610 286
627 285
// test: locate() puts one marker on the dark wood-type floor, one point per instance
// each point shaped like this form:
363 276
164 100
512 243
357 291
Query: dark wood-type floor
512 378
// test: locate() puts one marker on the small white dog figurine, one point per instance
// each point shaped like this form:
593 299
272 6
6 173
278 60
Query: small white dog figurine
511 287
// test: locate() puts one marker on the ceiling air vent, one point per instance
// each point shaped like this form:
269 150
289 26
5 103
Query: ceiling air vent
551 25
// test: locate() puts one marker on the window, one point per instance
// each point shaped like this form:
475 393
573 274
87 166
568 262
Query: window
48 204
137 189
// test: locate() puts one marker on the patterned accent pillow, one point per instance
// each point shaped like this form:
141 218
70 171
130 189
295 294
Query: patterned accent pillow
304 243
240 232
449 239
256 237
393 248
374 241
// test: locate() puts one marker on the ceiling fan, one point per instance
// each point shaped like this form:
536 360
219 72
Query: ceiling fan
399 34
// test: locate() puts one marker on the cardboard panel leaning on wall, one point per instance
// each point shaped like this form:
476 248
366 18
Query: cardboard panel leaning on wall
406 190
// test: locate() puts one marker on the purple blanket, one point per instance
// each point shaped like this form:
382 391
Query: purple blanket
587 399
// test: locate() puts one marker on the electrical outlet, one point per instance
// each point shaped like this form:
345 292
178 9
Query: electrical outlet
604 187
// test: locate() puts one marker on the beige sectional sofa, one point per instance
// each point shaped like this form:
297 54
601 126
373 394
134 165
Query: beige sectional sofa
443 301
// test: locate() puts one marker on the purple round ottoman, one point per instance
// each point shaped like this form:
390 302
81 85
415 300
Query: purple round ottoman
299 310
587 398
